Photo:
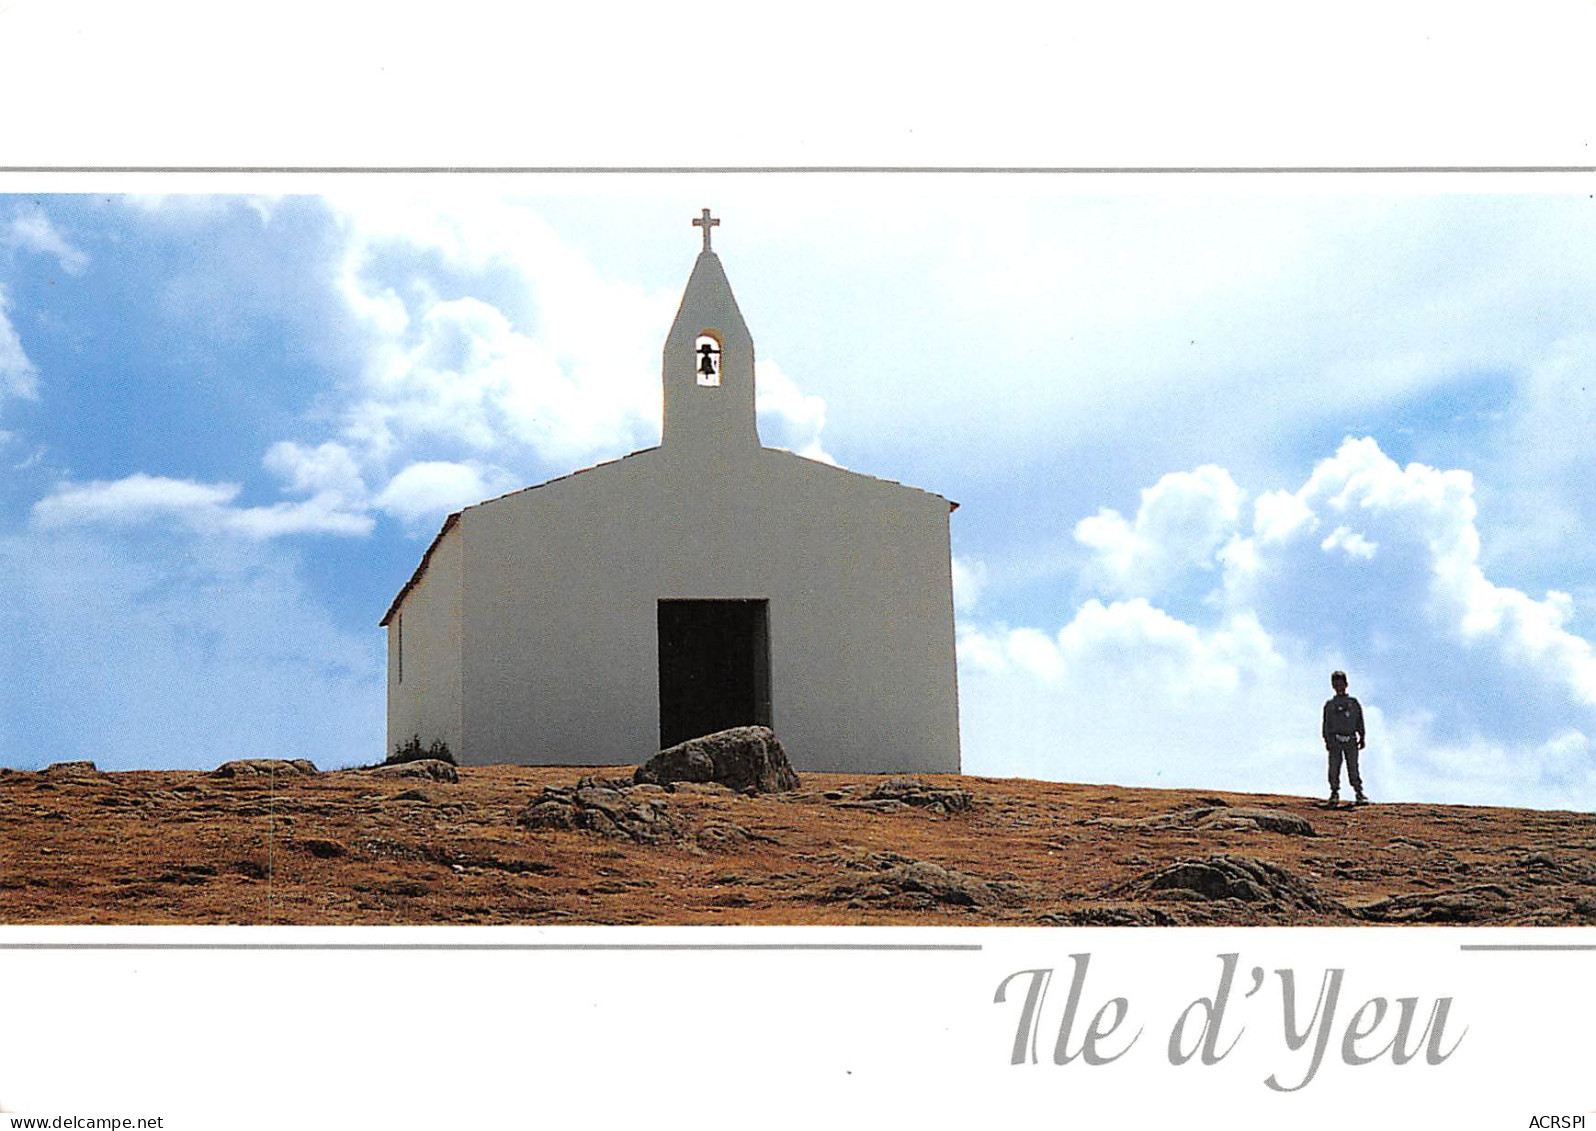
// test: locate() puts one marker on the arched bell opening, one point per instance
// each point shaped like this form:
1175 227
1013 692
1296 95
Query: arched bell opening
707 359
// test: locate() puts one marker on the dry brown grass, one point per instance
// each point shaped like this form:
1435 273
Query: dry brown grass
350 847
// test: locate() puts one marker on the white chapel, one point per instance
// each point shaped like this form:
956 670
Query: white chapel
705 583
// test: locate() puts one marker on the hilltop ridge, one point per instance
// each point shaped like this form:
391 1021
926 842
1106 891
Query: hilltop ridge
282 843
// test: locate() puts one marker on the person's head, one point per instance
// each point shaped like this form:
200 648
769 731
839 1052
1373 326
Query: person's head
1338 680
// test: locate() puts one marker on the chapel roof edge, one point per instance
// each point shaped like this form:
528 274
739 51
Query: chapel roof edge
454 519
404 590
952 506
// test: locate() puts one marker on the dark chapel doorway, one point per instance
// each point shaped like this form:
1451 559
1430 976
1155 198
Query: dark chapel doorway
714 667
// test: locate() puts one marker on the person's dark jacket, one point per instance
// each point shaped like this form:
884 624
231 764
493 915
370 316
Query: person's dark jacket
1342 715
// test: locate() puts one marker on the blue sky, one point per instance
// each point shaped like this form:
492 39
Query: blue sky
1210 442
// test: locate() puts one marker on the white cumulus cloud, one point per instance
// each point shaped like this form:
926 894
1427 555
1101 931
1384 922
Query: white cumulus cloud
788 417
326 468
1183 520
1349 542
1424 588
431 489
135 499
1104 645
549 357
205 508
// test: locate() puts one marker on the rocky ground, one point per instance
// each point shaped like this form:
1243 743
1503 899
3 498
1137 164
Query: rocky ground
281 843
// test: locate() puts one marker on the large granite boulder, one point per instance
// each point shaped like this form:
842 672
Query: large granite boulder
743 759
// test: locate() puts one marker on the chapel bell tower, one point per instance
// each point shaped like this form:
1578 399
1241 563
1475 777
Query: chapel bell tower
709 365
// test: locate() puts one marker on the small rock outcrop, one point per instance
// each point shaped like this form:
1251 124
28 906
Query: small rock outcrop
70 769
745 759
892 880
433 769
1225 876
1217 816
1110 917
1270 820
250 767
601 808
323 849
1460 905
1175 819
719 835
895 793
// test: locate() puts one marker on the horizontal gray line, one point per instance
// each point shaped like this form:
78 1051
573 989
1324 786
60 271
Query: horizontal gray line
680 169
500 946
1527 947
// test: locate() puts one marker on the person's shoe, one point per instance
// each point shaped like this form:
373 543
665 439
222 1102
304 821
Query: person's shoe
1360 800
1335 799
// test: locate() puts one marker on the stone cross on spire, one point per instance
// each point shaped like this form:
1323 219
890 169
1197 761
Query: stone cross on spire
706 222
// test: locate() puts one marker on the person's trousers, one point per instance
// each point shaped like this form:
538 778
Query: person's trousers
1348 752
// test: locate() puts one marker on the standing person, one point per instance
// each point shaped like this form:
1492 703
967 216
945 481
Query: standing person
1343 738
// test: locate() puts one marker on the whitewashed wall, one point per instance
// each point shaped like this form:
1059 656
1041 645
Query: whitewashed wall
562 584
